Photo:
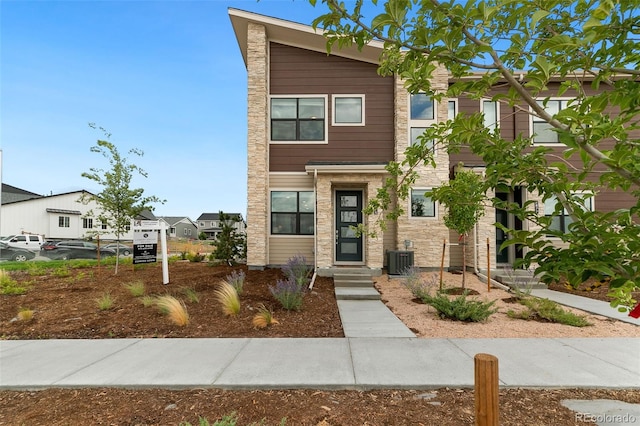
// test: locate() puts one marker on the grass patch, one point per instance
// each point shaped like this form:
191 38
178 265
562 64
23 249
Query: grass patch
9 286
25 314
548 310
174 309
191 295
105 302
135 288
148 301
263 318
228 297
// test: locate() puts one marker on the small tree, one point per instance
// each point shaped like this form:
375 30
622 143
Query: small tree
463 198
117 201
229 243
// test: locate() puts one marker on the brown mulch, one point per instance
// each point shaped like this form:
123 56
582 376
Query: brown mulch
592 288
66 307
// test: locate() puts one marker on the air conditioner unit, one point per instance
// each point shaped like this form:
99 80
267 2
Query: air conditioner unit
399 261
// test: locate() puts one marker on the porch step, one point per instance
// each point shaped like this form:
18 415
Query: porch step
518 279
350 286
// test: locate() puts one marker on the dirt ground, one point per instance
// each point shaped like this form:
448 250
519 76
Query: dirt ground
65 306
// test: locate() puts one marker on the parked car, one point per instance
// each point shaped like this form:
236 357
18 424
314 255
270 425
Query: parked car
17 254
49 245
28 241
125 250
75 249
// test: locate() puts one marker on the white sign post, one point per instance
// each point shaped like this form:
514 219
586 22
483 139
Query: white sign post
145 244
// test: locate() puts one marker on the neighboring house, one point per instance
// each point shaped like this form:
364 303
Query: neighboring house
321 129
11 194
209 224
59 216
180 227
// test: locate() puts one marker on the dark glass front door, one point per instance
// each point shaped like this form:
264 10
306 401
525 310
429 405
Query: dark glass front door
348 214
502 217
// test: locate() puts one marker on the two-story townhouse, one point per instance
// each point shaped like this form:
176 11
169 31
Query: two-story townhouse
209 224
322 127
180 227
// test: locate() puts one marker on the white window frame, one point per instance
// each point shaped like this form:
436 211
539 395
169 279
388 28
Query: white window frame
64 222
493 126
453 101
87 223
410 209
333 110
564 101
296 142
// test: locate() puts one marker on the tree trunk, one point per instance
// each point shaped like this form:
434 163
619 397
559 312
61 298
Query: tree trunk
464 260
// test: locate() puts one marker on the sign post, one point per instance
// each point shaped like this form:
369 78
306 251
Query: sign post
145 244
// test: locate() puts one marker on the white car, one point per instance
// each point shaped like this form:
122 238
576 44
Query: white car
28 241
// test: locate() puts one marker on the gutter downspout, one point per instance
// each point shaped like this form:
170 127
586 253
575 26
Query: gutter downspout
315 228
475 264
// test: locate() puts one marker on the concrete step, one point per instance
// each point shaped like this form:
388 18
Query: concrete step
357 293
352 280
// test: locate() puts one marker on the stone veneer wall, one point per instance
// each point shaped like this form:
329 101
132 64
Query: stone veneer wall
426 234
257 146
369 183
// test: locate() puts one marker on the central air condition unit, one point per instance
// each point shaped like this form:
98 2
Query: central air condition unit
399 261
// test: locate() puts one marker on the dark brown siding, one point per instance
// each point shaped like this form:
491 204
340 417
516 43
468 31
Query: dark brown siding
300 72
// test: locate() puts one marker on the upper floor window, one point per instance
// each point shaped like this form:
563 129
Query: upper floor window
63 221
542 131
452 110
87 223
421 204
103 225
422 107
560 222
348 110
491 112
292 212
298 119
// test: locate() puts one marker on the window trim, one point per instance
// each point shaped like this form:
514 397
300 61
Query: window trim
410 201
87 221
333 110
313 213
298 142
421 123
64 222
456 107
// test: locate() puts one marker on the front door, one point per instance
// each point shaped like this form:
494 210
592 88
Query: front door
502 217
348 215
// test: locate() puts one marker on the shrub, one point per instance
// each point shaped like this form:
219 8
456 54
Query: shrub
174 309
460 308
297 270
548 310
418 286
236 279
228 297
288 293
263 318
195 257
136 288
148 301
105 302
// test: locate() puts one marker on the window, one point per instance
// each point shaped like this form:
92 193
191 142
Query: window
103 225
542 131
213 224
348 110
421 205
127 228
491 114
185 231
172 231
87 223
561 222
292 213
63 221
452 109
422 107
298 119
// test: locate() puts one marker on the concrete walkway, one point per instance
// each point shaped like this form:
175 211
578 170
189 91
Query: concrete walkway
379 351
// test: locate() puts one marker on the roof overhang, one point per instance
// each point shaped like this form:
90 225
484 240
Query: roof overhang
361 168
297 35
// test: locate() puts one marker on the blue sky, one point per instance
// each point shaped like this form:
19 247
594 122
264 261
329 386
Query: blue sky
166 77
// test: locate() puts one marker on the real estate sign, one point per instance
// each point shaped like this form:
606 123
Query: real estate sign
145 244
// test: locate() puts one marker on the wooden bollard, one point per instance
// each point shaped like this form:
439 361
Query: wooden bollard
486 390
